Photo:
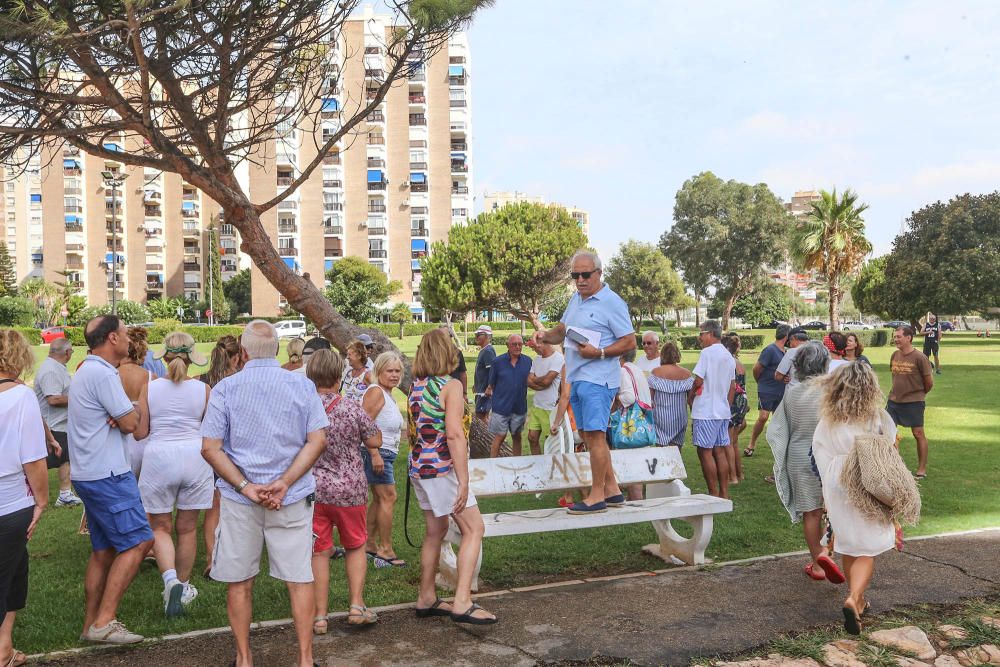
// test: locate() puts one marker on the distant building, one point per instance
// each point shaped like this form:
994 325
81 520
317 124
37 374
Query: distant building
495 200
784 273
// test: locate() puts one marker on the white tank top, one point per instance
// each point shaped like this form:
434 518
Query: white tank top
389 420
175 410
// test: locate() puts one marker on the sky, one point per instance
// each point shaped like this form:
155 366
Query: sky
612 111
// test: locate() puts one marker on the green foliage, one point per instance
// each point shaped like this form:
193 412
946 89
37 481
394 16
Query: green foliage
747 342
8 276
160 329
644 278
401 314
237 290
724 234
130 312
511 259
553 308
866 290
165 308
947 261
357 289
217 298
437 15
16 311
46 297
31 334
767 302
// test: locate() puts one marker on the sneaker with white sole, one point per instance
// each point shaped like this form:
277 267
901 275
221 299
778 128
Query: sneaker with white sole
190 593
68 499
172 594
112 633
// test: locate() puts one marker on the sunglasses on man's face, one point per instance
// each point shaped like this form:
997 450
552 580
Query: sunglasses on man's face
576 275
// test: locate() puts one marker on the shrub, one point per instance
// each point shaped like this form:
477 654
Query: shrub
747 342
31 334
16 311
159 331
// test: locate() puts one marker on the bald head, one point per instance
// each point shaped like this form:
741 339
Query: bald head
260 340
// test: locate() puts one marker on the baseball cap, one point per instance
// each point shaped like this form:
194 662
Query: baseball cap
799 332
314 344
485 329
366 339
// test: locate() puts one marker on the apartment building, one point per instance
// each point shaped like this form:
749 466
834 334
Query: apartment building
494 200
395 185
784 272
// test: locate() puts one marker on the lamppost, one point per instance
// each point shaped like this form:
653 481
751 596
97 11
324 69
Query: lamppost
114 181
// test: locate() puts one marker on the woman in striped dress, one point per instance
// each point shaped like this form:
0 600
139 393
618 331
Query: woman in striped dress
790 435
670 384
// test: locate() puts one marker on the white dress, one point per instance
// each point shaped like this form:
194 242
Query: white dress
854 534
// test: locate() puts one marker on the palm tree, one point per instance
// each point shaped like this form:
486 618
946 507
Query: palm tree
831 240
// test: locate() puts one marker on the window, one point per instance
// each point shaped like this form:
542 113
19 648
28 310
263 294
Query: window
286 243
418 156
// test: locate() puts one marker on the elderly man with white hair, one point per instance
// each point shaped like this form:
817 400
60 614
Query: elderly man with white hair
263 431
651 353
52 391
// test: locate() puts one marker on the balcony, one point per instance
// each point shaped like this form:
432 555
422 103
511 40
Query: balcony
418 77
152 197
74 247
371 94
154 286
284 181
74 226
154 267
376 140
288 251
192 266
459 146
421 120
332 184
72 171
192 285
331 159
153 212
227 230
376 163
375 117
116 285
113 229
288 205
71 151
374 73
188 213
74 265
377 186
419 231
333 229
457 104
376 208
287 228
73 209
418 187
460 190
378 231
190 195
73 191
330 207
417 98
334 252
418 166
419 210
378 254
190 229
457 81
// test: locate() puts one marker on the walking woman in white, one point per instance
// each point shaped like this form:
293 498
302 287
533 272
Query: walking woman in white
174 474
381 407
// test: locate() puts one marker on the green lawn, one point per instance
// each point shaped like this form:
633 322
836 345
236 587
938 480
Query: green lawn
961 492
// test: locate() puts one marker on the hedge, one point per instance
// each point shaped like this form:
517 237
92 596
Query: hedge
31 334
158 333
747 342
868 337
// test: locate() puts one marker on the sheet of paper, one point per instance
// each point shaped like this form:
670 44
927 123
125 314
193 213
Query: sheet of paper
593 337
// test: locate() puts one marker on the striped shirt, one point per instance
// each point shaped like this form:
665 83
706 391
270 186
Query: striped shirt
263 415
670 409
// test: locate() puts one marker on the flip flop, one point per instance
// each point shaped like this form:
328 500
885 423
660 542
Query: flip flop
434 610
395 561
17 658
919 476
812 575
747 453
830 569
852 623
467 617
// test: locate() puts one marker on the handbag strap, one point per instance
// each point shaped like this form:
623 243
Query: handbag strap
635 389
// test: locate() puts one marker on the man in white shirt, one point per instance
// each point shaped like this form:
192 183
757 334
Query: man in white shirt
651 346
711 398
52 391
544 379
784 373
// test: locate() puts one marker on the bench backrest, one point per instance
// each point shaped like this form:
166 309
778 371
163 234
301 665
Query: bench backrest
559 472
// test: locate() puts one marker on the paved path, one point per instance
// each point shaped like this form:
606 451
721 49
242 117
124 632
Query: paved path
650 619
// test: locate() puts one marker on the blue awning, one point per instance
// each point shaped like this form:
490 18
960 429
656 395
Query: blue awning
71 164
73 219
327 264
329 104
120 259
416 310
419 245
291 262
375 176
188 206
415 265
114 148
36 199
456 70
154 274
418 177
458 156
36 257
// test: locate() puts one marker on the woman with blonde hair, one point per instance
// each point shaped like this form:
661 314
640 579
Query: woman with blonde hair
175 476
380 406
851 408
439 469
24 483
357 377
295 347
134 378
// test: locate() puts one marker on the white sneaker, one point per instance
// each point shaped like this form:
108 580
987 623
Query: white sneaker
172 594
68 499
189 594
113 633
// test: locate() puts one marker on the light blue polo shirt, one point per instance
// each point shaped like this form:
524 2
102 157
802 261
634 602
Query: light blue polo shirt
96 449
606 313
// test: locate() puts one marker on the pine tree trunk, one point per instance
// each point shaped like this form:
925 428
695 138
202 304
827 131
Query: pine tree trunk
834 304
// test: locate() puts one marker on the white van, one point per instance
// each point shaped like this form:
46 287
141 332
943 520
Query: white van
291 328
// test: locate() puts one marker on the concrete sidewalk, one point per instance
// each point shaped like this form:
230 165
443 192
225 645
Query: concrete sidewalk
650 619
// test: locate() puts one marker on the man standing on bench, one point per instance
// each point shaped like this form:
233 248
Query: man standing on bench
597 330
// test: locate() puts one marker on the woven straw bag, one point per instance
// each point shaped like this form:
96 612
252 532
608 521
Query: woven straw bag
878 482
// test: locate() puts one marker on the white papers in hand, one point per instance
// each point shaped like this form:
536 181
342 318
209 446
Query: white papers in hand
593 337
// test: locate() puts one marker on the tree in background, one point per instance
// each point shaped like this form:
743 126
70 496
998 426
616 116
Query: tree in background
401 314
218 302
8 276
556 304
357 289
197 89
724 235
165 308
47 298
947 261
644 278
866 290
130 312
513 259
831 240
16 311
766 303
237 291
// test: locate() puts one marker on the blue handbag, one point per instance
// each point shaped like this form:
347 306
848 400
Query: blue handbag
633 427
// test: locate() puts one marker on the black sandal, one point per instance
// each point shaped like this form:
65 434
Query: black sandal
852 623
747 453
468 617
434 610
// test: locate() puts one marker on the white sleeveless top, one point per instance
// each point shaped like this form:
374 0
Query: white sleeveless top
175 410
389 420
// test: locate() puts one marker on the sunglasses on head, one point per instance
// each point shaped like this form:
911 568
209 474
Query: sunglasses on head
576 275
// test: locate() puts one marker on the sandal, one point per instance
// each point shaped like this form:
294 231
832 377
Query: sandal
748 452
366 617
830 569
17 658
812 574
320 625
468 617
434 610
852 620
394 561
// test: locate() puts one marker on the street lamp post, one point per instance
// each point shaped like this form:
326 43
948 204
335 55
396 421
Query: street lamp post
115 181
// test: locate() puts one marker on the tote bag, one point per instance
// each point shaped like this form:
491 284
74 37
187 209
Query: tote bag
632 427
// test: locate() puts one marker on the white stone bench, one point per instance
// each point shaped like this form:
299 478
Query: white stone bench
667 499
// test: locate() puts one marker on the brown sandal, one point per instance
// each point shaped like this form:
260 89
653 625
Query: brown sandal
319 625
366 617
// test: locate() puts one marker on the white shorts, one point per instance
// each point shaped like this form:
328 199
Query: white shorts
174 474
438 494
245 529
134 450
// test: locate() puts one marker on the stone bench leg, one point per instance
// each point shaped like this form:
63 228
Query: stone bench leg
690 550
447 576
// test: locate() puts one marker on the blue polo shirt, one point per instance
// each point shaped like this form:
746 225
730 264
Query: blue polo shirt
606 313
510 385
96 449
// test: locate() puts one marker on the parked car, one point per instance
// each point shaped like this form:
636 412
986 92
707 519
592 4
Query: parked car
815 324
947 326
52 333
291 328
895 324
854 325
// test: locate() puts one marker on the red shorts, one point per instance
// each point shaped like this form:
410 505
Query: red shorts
351 524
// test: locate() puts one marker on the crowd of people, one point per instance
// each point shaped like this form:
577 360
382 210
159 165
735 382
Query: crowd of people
147 446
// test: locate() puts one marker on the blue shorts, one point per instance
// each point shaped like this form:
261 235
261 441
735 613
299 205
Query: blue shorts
591 405
708 433
387 476
115 515
768 402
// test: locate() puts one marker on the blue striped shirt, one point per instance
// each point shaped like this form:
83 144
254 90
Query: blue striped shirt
262 415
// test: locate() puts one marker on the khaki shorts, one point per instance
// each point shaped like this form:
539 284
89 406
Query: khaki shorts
437 494
245 529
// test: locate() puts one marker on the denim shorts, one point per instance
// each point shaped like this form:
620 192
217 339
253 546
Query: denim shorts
503 424
387 476
115 515
591 405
